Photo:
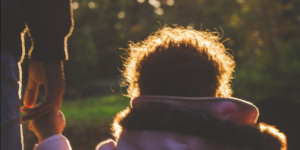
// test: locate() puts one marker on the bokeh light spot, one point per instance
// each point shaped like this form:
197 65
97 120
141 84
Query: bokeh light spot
91 5
159 11
121 15
170 2
155 3
141 1
240 1
75 5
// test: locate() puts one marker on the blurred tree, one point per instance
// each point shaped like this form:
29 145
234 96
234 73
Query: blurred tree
268 63
264 39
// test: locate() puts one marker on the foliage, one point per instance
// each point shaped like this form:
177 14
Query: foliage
264 38
88 121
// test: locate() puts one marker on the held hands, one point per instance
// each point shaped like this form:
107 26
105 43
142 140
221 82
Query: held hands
48 125
51 75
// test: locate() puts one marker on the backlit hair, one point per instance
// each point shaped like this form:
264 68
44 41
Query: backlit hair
179 62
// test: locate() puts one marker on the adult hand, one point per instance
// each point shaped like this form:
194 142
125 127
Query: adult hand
51 75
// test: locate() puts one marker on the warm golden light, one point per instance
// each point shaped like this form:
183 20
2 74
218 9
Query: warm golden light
159 11
155 3
272 129
240 1
141 1
75 5
121 15
170 2
169 38
91 5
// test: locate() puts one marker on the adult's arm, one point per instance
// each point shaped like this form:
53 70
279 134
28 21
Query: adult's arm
50 23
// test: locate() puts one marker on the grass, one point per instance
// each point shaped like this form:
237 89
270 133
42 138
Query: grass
98 110
88 120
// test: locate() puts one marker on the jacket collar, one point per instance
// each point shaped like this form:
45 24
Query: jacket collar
214 119
233 109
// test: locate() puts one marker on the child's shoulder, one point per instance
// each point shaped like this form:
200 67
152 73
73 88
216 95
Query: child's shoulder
106 145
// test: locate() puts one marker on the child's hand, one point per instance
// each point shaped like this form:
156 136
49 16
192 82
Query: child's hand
47 125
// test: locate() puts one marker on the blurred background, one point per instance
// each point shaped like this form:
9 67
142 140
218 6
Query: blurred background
264 40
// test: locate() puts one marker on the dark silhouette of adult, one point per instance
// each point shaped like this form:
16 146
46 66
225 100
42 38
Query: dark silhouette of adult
49 23
285 115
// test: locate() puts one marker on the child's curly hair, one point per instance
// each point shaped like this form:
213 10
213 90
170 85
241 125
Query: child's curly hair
179 62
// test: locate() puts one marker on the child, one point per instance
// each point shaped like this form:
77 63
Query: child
48 129
179 85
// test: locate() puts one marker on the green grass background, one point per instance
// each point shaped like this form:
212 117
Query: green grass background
93 111
88 120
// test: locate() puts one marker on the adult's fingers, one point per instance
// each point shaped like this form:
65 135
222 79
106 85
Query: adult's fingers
43 110
24 109
40 107
54 95
31 93
55 86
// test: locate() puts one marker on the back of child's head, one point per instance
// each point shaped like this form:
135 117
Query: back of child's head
179 62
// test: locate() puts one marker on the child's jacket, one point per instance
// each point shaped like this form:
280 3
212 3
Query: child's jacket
190 123
194 123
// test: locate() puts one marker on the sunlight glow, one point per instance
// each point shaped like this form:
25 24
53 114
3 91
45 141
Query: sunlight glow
159 11
272 129
155 3
141 1
121 15
205 44
240 1
75 5
170 2
152 1
91 5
